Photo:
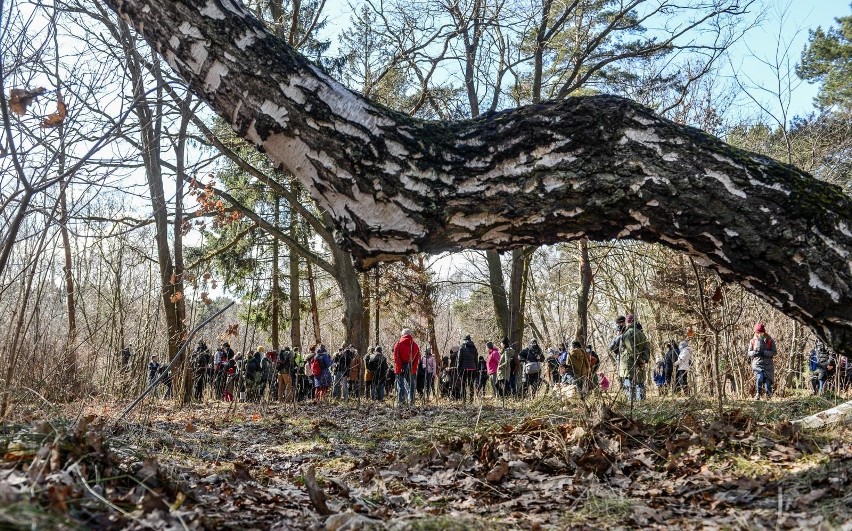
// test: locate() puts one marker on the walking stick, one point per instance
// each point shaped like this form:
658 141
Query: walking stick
153 384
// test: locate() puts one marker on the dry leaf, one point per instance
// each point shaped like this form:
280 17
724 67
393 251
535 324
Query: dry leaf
176 297
179 499
55 458
241 471
189 427
496 474
20 99
57 494
55 119
149 472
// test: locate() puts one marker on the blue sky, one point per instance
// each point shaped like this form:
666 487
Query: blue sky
750 56
784 27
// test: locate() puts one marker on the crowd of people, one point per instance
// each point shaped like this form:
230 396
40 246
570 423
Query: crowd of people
466 372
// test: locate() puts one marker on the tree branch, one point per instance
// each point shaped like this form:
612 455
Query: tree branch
601 167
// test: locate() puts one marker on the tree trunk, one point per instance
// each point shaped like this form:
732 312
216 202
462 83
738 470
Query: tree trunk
295 291
366 289
582 334
70 307
498 292
178 327
13 227
517 294
377 302
428 308
275 315
312 292
171 282
535 175
353 302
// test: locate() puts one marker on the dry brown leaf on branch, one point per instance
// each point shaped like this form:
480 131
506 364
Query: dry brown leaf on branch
176 297
56 118
233 330
20 99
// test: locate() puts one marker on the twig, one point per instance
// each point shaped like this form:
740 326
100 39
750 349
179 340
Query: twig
168 368
105 501
315 493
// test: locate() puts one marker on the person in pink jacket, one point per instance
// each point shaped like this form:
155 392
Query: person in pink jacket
492 361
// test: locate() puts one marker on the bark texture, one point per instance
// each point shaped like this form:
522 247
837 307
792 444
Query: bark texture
601 167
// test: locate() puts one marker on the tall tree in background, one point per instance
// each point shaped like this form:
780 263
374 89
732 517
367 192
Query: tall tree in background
827 59
145 74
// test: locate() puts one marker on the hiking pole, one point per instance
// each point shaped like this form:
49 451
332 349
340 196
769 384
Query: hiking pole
153 384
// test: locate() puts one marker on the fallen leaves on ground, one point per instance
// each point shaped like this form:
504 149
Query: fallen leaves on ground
372 465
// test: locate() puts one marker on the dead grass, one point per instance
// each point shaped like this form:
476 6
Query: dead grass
610 470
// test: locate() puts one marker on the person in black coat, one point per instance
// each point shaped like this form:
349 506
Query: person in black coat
468 363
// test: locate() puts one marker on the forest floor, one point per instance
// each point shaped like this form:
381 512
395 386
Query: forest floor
545 465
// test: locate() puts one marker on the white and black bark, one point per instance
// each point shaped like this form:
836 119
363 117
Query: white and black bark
600 167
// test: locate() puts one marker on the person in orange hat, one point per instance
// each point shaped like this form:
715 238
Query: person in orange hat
761 351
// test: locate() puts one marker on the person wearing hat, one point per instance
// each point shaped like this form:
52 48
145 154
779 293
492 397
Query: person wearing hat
635 356
761 351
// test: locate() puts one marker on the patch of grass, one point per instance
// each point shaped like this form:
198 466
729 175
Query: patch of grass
311 444
24 516
451 522
742 466
607 507
336 465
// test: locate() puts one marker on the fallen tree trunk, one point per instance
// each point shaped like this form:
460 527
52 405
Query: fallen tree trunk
841 414
600 167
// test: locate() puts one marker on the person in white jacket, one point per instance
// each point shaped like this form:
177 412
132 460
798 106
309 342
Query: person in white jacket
682 364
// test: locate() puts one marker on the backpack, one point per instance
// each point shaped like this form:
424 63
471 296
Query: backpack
552 365
316 366
594 360
533 367
285 362
813 362
375 362
266 368
515 363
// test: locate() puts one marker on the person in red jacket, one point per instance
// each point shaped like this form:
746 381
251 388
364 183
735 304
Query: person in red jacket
406 354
